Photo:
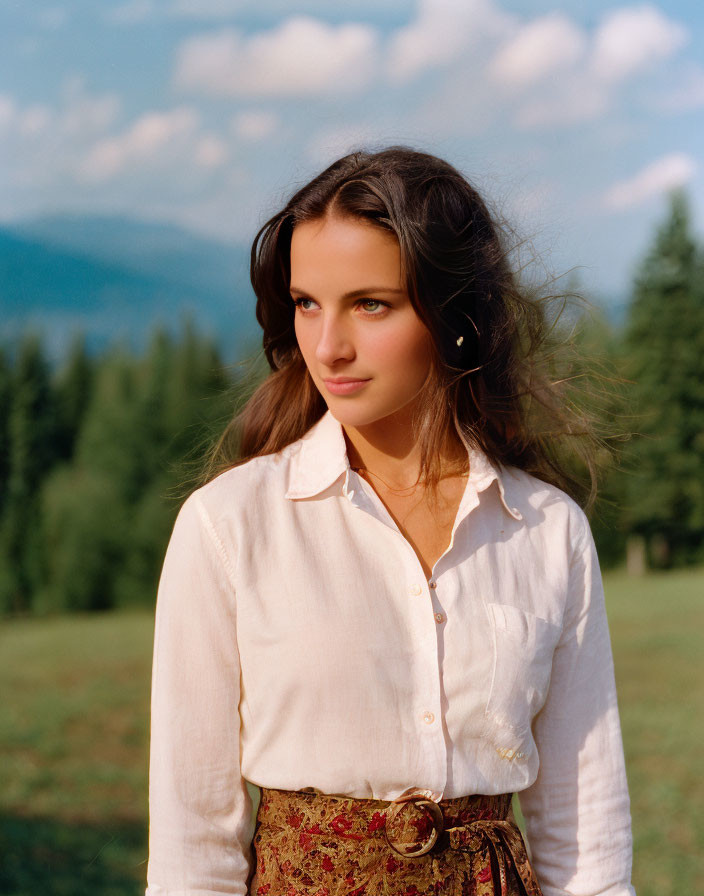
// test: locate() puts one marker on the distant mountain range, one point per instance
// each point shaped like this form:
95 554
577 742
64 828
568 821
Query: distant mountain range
115 278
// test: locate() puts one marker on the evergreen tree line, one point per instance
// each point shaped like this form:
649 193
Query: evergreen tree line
653 500
97 455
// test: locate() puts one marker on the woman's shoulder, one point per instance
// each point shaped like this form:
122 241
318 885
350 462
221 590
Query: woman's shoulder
256 482
543 503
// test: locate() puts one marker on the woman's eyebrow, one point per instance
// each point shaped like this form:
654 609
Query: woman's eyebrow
355 293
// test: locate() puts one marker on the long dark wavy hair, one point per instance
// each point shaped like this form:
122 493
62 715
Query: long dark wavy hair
493 381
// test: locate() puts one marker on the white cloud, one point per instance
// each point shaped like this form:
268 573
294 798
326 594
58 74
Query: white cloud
667 173
632 38
84 115
300 57
254 125
42 144
29 47
91 115
52 17
688 94
223 9
539 49
531 202
586 71
132 12
332 143
442 30
207 9
79 116
73 154
210 151
8 110
34 120
151 136
569 101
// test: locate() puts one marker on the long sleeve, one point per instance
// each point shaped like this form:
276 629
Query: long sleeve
200 809
577 811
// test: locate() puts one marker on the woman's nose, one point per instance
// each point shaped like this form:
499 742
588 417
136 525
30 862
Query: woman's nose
335 343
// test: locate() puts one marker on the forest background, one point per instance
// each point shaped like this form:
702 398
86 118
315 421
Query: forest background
98 450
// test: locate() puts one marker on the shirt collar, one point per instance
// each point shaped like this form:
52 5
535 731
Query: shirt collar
322 460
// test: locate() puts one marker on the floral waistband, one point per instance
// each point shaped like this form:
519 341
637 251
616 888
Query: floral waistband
307 834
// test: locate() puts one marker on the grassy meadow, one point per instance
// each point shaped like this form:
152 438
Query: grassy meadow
74 740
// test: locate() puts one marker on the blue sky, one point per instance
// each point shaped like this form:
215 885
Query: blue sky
575 122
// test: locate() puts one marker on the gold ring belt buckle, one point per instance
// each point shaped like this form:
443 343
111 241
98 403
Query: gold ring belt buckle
429 826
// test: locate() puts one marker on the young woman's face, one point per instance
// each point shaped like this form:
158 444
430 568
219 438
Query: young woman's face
365 347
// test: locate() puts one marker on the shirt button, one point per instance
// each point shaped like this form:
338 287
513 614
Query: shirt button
432 583
428 718
415 588
439 617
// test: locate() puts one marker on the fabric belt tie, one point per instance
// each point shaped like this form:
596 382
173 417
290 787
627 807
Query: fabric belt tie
505 845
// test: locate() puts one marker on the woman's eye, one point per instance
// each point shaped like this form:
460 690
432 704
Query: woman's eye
372 306
304 304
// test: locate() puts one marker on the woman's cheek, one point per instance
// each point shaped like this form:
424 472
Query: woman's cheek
407 353
306 339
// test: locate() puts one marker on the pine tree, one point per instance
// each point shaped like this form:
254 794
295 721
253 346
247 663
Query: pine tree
665 350
86 502
182 398
73 387
31 429
5 393
109 511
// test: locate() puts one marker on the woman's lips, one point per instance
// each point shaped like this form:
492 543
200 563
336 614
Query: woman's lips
344 385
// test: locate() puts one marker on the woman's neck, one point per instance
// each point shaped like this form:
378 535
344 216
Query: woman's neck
389 451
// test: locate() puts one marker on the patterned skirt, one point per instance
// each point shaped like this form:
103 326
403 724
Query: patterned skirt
312 844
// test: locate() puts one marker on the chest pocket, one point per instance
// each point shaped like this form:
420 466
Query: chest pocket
523 649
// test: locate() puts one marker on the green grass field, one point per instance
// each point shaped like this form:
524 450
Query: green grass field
74 735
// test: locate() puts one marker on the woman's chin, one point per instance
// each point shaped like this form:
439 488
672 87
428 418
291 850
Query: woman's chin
350 416
358 414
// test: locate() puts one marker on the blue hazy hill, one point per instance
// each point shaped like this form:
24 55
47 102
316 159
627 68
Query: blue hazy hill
115 278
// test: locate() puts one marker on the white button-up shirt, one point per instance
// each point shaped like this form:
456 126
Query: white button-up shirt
298 645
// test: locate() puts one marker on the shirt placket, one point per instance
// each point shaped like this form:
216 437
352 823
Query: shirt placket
426 598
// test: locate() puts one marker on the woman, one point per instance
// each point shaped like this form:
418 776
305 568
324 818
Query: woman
388 615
